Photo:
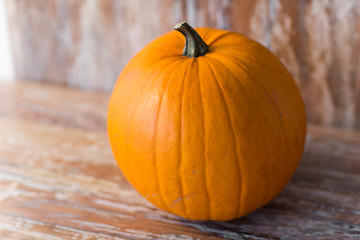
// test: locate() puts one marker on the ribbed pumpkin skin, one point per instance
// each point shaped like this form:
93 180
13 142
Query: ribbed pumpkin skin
207 138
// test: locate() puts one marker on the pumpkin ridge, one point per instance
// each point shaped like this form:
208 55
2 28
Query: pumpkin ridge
232 133
252 77
257 83
155 134
257 117
132 117
233 45
218 38
238 63
263 65
260 86
205 152
151 76
265 141
296 104
186 76
262 129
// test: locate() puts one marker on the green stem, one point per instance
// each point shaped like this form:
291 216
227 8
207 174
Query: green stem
194 45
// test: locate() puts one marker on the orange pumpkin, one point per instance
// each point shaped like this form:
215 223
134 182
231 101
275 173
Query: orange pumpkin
210 133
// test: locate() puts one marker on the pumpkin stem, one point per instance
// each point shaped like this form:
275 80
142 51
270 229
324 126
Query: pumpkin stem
194 45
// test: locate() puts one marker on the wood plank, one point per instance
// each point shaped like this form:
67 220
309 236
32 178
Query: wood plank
58 180
22 228
69 107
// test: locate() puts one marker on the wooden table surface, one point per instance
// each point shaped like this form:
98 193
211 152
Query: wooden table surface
59 180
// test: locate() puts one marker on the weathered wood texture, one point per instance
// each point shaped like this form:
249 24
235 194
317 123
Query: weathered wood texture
87 43
58 180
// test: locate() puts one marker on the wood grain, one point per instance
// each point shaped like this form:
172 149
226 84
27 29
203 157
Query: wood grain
58 179
86 44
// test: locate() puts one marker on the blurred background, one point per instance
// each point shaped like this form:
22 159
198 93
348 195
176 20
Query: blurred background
85 44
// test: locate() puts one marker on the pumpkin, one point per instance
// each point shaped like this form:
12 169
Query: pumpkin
213 131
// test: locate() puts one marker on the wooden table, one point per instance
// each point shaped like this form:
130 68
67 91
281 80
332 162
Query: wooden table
59 180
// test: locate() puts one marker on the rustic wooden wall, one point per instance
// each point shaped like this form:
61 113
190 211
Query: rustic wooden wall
86 43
